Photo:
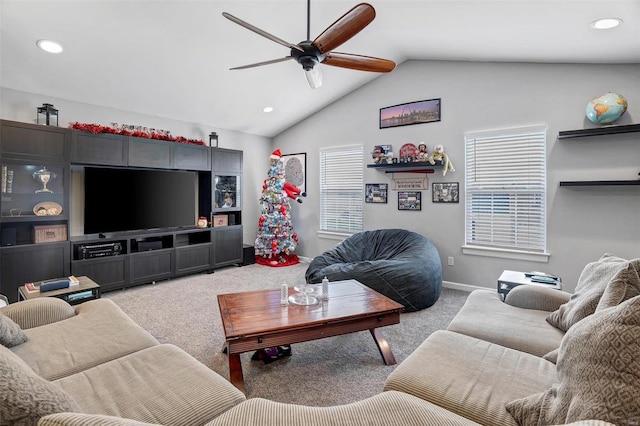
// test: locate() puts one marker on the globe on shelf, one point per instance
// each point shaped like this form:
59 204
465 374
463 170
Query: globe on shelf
606 108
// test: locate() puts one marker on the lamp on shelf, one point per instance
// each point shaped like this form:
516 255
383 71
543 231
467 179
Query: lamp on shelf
213 137
47 114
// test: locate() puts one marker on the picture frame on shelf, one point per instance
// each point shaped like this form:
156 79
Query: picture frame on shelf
418 112
376 193
445 192
295 170
410 200
220 220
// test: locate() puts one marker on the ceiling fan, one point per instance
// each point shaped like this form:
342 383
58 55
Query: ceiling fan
311 53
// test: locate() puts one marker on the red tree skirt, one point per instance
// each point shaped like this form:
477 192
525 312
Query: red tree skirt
278 260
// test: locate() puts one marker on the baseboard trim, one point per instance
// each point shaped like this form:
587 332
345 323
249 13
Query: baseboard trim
463 287
447 284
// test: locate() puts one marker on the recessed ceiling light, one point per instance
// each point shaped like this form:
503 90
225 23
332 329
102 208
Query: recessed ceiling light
606 23
267 109
49 46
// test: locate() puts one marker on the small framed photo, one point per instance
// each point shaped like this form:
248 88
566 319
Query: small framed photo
409 200
375 193
220 220
446 192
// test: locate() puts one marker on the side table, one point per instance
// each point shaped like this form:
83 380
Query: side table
86 290
510 279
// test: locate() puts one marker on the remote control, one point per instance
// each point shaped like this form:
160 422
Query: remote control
544 279
539 274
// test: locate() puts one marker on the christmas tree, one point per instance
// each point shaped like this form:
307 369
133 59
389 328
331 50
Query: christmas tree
276 239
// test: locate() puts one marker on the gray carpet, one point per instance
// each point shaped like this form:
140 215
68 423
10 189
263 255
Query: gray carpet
331 371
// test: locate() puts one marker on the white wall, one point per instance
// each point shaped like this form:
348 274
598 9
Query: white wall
21 106
582 224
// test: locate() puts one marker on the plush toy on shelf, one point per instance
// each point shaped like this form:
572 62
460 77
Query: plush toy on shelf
438 154
423 154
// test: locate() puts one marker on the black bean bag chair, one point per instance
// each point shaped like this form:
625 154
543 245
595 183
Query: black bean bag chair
402 265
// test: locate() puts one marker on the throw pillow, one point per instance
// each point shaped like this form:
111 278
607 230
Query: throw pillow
10 333
598 369
591 284
25 396
623 286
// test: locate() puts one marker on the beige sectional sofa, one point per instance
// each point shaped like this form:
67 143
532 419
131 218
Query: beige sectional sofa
542 357
94 359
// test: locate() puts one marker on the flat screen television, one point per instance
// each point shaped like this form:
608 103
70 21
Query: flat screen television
129 199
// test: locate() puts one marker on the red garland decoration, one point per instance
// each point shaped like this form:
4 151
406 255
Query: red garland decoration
97 128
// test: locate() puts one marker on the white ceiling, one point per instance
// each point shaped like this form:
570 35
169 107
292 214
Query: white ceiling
172 58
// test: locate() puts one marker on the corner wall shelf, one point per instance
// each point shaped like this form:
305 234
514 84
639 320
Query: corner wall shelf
601 183
415 167
599 131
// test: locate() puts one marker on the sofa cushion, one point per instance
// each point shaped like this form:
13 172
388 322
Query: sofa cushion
623 286
99 332
68 419
25 397
387 408
591 285
599 372
552 356
471 377
486 317
537 296
10 333
161 384
40 311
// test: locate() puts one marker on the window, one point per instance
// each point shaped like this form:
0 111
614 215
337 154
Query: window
505 191
341 189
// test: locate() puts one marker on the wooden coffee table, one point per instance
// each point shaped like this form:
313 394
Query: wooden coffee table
256 320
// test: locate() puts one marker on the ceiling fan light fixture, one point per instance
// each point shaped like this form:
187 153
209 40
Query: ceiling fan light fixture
49 46
606 23
314 77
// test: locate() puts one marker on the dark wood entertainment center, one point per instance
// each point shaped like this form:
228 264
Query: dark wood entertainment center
35 210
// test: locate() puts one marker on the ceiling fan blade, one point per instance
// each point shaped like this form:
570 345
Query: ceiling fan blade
350 24
261 32
259 64
358 62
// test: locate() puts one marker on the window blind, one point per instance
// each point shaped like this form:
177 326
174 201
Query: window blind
341 189
505 191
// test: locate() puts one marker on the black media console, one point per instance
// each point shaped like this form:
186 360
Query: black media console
125 259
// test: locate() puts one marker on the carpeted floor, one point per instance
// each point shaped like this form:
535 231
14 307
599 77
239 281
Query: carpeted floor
331 371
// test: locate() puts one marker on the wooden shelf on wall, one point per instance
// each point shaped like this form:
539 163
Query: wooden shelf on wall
601 183
415 167
599 131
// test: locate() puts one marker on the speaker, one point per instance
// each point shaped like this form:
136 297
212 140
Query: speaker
248 255
149 245
9 237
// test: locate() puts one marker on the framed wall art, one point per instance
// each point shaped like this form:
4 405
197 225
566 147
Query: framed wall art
410 113
409 200
446 192
376 193
295 170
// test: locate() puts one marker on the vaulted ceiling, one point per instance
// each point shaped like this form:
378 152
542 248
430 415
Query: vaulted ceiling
172 58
